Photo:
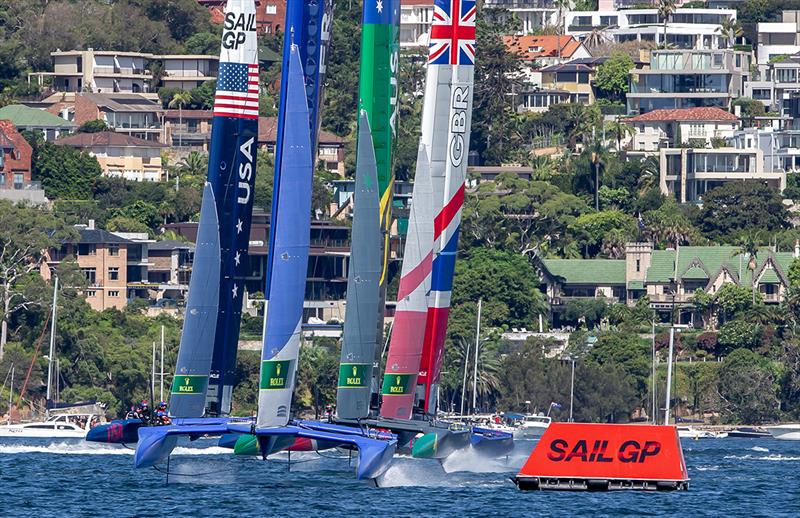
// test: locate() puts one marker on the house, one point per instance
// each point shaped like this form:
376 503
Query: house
695 127
25 118
574 77
537 51
132 114
15 167
687 173
688 79
104 259
187 71
415 22
121 155
109 71
775 83
686 28
330 152
778 39
187 130
534 14
669 278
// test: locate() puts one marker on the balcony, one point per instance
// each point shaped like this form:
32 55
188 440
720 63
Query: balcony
522 4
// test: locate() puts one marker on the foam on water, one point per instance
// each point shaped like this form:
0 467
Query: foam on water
63 448
759 448
771 457
470 460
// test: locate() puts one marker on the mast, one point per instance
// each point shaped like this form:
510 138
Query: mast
161 381
669 373
288 260
231 173
49 401
477 348
359 345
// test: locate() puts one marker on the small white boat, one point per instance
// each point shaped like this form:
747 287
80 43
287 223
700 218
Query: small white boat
786 432
58 426
688 432
531 426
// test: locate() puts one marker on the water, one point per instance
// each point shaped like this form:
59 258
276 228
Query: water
733 477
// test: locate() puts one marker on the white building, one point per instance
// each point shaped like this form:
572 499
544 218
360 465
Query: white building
415 22
534 14
187 71
696 127
686 28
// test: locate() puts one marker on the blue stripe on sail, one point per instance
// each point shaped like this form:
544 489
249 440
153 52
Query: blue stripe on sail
444 265
291 226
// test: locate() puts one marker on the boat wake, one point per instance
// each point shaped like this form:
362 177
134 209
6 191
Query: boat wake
65 449
471 461
771 457
759 448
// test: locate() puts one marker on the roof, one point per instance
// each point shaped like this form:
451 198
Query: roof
568 67
98 236
170 244
12 139
544 45
25 117
686 114
587 271
106 138
122 102
268 131
662 266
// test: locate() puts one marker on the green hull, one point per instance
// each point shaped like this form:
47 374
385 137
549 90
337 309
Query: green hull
248 445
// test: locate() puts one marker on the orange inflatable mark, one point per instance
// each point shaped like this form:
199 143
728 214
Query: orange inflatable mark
579 456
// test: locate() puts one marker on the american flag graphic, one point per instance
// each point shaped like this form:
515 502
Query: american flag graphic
237 91
452 39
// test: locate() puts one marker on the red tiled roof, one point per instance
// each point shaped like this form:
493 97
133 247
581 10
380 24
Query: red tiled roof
686 114
548 45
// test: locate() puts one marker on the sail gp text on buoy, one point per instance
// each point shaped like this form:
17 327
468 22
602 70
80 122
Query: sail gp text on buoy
576 456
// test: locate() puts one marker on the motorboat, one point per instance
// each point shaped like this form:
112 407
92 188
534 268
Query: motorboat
748 432
785 432
57 426
531 426
689 432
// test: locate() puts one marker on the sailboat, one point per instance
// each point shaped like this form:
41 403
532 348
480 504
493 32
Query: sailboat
288 259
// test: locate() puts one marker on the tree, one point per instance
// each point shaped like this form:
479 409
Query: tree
25 233
203 95
665 10
667 226
203 43
193 169
750 107
590 229
613 76
180 99
143 212
747 388
749 244
740 207
94 126
618 130
733 300
65 172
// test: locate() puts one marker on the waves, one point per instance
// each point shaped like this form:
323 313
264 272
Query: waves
85 448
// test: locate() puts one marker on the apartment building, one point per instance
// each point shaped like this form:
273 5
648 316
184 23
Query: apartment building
103 259
187 71
691 127
121 155
669 278
686 28
574 77
778 39
776 83
689 79
688 173
169 268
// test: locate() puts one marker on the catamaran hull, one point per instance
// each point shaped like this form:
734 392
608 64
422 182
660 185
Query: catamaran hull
120 431
374 453
440 444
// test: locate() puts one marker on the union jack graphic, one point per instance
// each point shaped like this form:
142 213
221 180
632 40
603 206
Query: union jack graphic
452 39
237 91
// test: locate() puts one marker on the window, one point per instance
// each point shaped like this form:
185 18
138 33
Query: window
271 9
113 293
113 273
86 249
113 249
91 293
638 265
91 275
19 180
2 180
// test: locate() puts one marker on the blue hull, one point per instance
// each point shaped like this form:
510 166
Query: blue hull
120 431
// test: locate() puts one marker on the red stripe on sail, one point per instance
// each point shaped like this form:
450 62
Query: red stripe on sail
415 277
448 213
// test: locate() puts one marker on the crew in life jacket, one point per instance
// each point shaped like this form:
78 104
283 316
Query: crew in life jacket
144 413
162 417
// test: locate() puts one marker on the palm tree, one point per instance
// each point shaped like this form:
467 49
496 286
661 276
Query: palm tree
650 171
665 10
730 29
598 36
561 5
180 100
748 245
619 130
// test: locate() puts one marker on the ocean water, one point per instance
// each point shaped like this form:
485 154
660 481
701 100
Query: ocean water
730 477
